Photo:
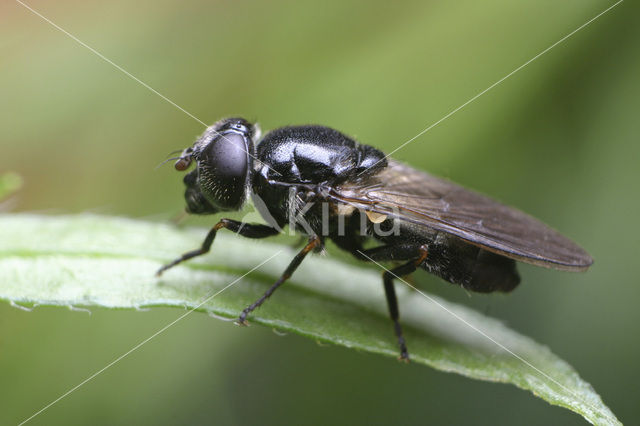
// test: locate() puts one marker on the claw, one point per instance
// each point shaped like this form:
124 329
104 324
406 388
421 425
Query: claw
242 322
404 358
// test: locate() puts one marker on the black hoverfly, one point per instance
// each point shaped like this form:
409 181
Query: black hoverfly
327 186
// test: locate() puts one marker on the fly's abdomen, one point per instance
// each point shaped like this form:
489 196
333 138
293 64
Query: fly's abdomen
471 267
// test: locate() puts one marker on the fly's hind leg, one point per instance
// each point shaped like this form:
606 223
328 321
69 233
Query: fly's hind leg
415 256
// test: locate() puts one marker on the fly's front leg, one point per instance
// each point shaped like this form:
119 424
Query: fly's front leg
313 243
416 255
248 230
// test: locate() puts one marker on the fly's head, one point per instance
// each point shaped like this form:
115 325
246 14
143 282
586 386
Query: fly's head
223 156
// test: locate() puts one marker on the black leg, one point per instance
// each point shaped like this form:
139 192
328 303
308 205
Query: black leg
392 302
297 260
248 230
417 254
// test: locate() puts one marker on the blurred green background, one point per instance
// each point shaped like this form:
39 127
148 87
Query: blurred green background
558 140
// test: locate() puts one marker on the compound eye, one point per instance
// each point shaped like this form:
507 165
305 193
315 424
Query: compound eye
223 168
227 156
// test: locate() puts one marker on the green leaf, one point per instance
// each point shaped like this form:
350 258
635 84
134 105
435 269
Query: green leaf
86 261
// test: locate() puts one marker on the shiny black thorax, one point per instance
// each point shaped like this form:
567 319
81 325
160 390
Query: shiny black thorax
301 163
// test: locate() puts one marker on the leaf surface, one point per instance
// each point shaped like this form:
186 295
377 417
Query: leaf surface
98 261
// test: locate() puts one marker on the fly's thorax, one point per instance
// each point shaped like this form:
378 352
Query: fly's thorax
315 154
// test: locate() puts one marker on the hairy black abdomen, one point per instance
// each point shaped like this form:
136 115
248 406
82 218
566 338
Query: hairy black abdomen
471 267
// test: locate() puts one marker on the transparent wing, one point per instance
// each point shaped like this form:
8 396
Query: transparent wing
408 194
